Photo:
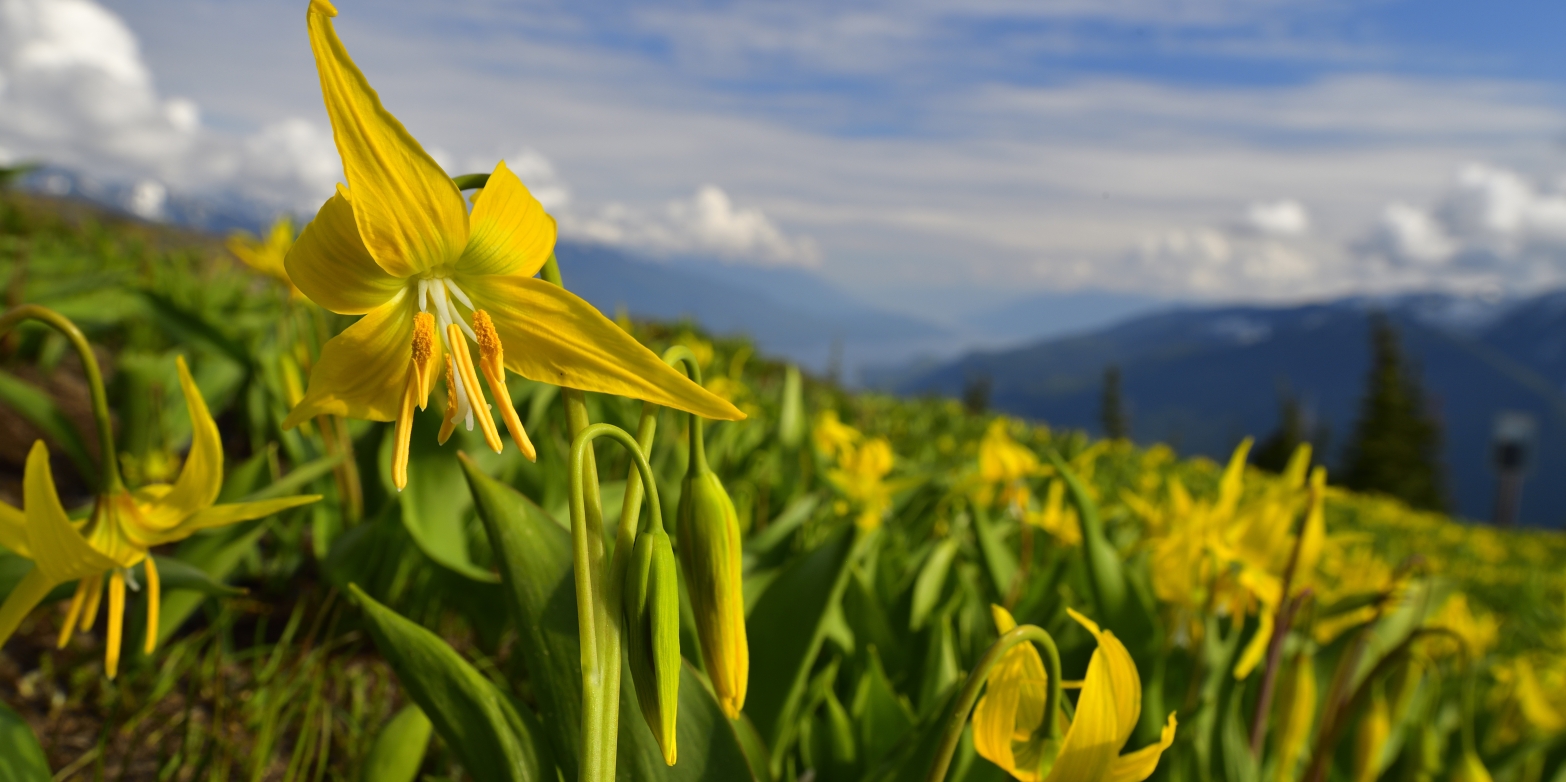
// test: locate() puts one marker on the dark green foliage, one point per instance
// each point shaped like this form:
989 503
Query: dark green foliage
1396 442
976 394
1112 408
1293 430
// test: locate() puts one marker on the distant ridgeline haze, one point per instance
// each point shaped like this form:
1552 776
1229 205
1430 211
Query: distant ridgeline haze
1201 380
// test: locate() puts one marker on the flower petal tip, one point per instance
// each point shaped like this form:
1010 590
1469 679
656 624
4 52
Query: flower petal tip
323 7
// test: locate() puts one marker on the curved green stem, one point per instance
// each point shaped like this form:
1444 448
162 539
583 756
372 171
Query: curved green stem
958 719
100 400
679 354
598 605
470 181
1105 573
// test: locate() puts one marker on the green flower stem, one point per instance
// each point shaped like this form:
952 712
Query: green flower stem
100 400
631 509
1105 573
958 719
679 354
598 607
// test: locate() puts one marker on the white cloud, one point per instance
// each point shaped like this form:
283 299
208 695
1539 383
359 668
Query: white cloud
1278 218
708 223
1409 235
75 92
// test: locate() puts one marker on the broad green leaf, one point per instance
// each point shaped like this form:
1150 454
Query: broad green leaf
399 749
485 730
785 631
21 758
932 577
709 746
999 562
762 544
41 411
435 509
883 716
176 575
533 554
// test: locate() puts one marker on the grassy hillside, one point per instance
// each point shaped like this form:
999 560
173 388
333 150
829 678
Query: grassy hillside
880 530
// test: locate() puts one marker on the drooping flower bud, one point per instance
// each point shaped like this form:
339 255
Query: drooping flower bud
652 621
710 551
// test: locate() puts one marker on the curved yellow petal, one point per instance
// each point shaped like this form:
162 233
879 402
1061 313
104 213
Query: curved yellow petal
1012 708
508 232
362 371
1093 740
61 552
24 597
552 336
201 477
331 266
1121 672
408 210
1139 765
232 513
13 530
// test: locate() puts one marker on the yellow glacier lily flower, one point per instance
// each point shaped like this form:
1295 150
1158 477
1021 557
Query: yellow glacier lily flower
1006 719
862 478
267 255
1005 464
398 246
119 533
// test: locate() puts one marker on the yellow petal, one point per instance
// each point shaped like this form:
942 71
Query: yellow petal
331 266
61 552
552 336
231 513
1121 671
24 597
1012 709
362 371
409 212
1139 765
13 530
508 231
201 477
1093 740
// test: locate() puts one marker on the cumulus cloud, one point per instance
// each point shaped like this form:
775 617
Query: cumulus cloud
75 92
708 223
1278 218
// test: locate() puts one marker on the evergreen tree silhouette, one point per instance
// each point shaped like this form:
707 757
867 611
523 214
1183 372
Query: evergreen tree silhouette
1293 431
1112 412
1396 443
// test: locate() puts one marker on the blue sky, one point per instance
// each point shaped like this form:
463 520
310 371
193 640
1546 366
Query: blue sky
925 154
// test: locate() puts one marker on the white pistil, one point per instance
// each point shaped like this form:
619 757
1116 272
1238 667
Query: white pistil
445 314
130 579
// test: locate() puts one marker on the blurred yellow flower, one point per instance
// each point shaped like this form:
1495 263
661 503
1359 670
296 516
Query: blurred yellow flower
398 246
119 533
861 477
267 255
1011 711
832 437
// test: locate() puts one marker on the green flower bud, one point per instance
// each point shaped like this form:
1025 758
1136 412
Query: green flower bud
652 621
710 551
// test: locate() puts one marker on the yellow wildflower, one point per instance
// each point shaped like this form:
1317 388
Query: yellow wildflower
398 246
1059 521
267 255
1004 466
1011 711
118 535
861 476
833 437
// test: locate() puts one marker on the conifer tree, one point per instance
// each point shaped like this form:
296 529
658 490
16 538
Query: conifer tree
1293 430
1396 442
1112 412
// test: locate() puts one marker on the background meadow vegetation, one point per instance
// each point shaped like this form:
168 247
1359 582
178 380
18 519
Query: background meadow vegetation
1419 645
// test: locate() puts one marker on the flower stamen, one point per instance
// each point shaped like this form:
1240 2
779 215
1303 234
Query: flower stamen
469 382
492 361
452 404
416 392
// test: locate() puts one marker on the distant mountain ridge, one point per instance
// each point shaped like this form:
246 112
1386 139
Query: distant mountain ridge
1201 379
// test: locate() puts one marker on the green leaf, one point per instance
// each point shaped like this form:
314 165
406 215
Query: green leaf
488 734
296 480
709 746
189 327
932 577
999 562
762 544
533 554
41 411
435 510
399 750
785 631
215 553
21 758
177 575
881 714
